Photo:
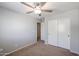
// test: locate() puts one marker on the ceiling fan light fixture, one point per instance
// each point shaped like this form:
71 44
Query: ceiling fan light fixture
37 10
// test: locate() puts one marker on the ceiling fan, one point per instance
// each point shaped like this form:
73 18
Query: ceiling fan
37 8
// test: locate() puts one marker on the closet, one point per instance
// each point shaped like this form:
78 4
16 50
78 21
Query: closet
59 32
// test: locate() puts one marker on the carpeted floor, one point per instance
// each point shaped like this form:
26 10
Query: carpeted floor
40 49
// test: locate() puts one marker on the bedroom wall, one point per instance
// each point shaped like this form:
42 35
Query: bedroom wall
16 30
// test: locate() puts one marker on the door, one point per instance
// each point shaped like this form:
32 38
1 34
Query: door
59 33
38 31
52 32
64 33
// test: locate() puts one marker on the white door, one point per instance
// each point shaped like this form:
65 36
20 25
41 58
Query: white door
59 33
64 33
52 32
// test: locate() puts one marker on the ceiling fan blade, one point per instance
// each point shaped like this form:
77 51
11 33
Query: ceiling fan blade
42 4
29 12
47 10
36 4
27 4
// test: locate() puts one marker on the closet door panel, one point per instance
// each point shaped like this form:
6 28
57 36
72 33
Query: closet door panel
52 32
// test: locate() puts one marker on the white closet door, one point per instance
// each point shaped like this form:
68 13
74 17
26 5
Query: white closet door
64 33
52 32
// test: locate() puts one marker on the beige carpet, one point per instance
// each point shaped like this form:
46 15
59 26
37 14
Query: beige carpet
40 49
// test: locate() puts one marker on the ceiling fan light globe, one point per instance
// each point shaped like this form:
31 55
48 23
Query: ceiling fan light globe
37 11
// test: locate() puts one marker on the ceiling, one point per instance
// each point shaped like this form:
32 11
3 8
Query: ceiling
57 7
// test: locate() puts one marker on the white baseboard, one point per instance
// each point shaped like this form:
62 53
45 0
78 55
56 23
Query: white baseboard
74 52
19 48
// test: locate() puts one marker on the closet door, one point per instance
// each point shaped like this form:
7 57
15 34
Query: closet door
64 33
52 32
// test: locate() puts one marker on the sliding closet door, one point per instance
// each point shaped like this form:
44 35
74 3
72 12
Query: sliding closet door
64 33
52 32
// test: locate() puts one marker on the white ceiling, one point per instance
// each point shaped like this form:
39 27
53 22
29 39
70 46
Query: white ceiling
57 7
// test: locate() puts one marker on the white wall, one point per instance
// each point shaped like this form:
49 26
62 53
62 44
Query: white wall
73 15
16 30
44 31
75 32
